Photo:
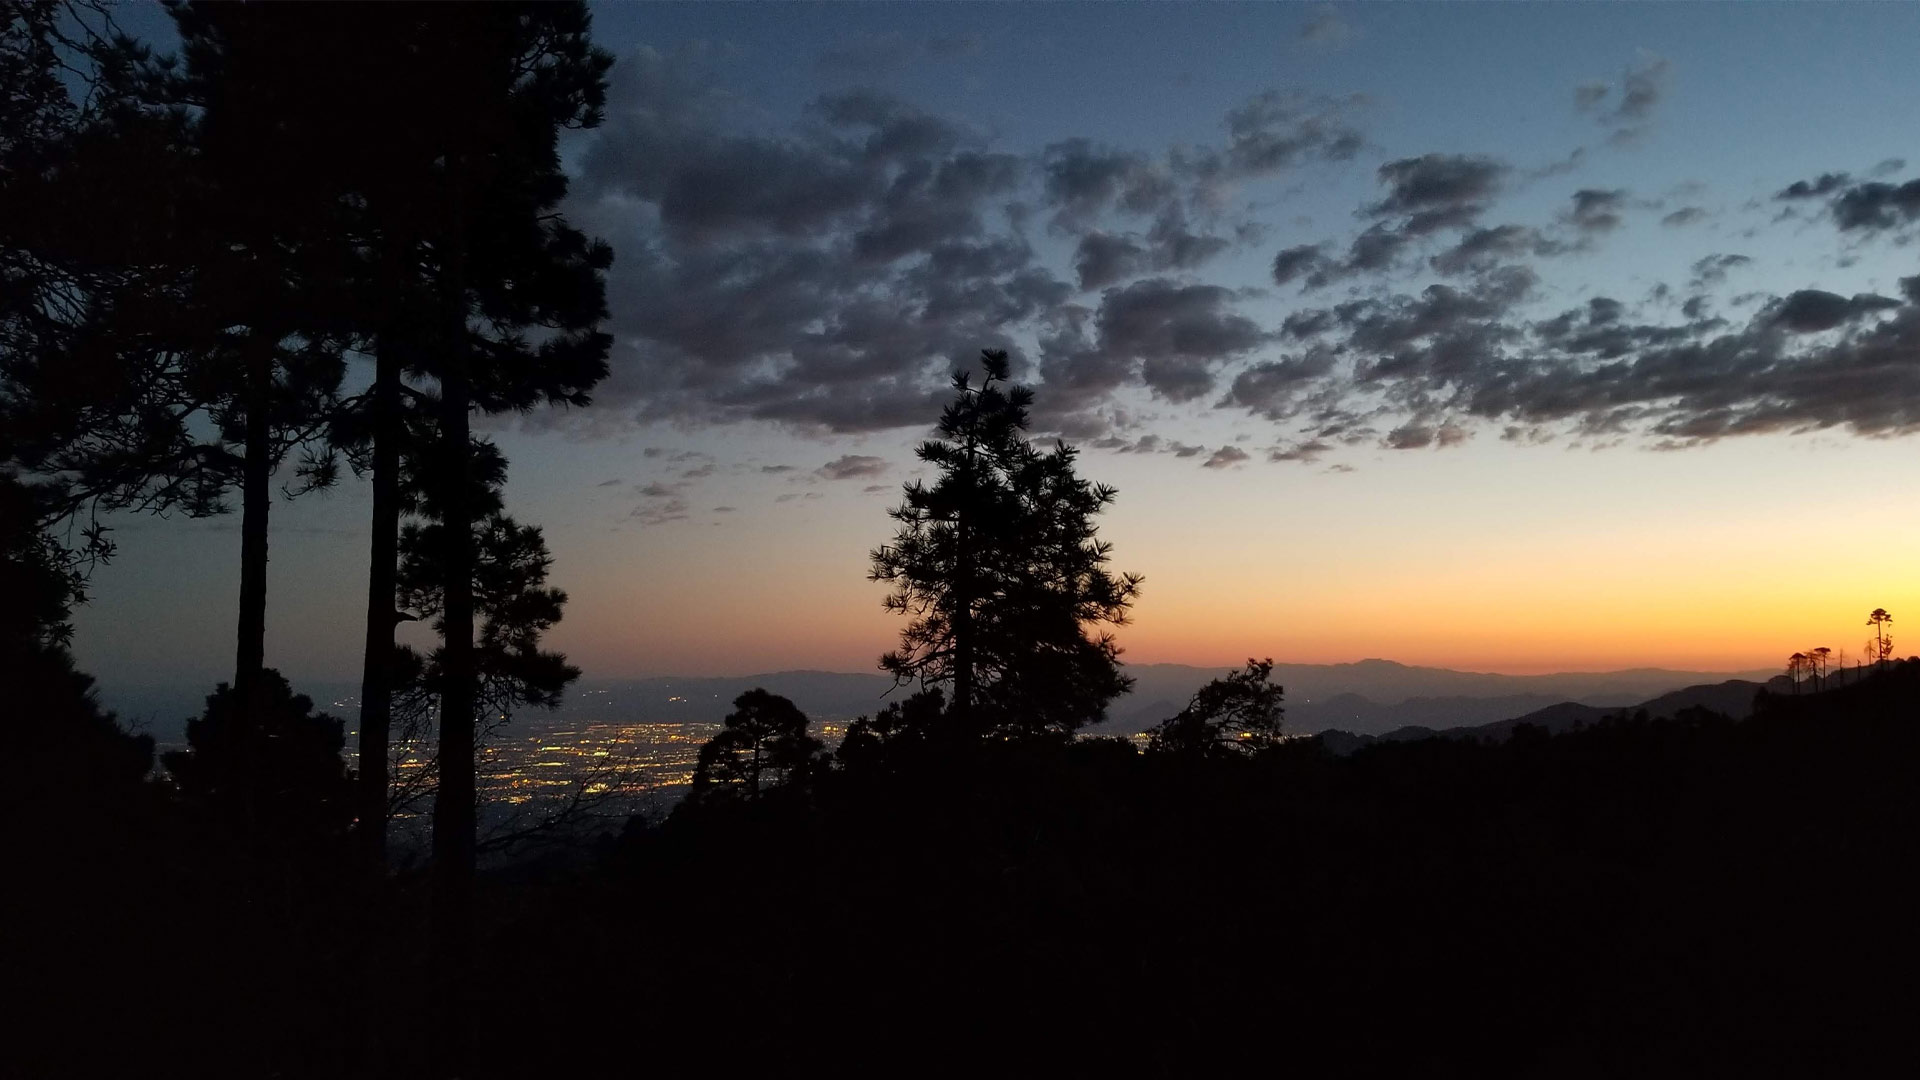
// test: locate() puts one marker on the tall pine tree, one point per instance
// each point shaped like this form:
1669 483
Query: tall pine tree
1000 571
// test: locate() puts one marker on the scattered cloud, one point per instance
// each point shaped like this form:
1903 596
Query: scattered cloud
852 467
1713 269
1597 211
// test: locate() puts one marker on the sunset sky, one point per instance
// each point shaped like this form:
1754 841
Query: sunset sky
1499 337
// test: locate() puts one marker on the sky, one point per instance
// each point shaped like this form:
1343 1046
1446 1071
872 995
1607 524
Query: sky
1503 337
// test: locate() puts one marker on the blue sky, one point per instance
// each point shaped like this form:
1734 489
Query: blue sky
781 183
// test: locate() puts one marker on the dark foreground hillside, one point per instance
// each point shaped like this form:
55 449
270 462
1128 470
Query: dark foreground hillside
1694 896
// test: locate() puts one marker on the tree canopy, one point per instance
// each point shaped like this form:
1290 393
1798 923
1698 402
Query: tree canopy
1000 572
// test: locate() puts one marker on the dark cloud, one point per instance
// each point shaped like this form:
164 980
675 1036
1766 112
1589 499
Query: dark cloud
1083 180
775 469
1889 166
1812 310
1441 360
1686 215
1267 134
1225 457
1308 450
828 279
1866 206
852 467
1103 259
1174 336
1484 249
1713 269
1434 182
1596 210
1274 131
1275 388
1410 437
616 482
1293 262
1874 206
1819 187
829 276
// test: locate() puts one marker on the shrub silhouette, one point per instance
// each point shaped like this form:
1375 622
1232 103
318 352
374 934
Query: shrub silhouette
273 773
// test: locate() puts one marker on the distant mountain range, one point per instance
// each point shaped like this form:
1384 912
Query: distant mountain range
1368 697
1733 698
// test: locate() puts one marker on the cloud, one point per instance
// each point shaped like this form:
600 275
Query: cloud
615 482
1713 269
1866 206
1484 249
1225 457
1293 262
1438 182
1641 88
1874 206
1104 258
1307 451
1686 215
828 276
1276 388
1178 333
1812 310
1637 94
827 279
852 467
660 511
1596 211
1821 186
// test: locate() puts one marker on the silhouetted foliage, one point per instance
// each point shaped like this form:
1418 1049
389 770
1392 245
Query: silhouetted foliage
762 750
1880 648
62 739
999 570
906 735
272 774
1238 713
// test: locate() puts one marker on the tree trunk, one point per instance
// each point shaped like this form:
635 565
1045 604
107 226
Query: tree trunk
453 807
376 670
256 501
963 634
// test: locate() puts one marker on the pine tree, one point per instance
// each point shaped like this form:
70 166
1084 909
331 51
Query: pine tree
1001 573
763 747
1238 713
